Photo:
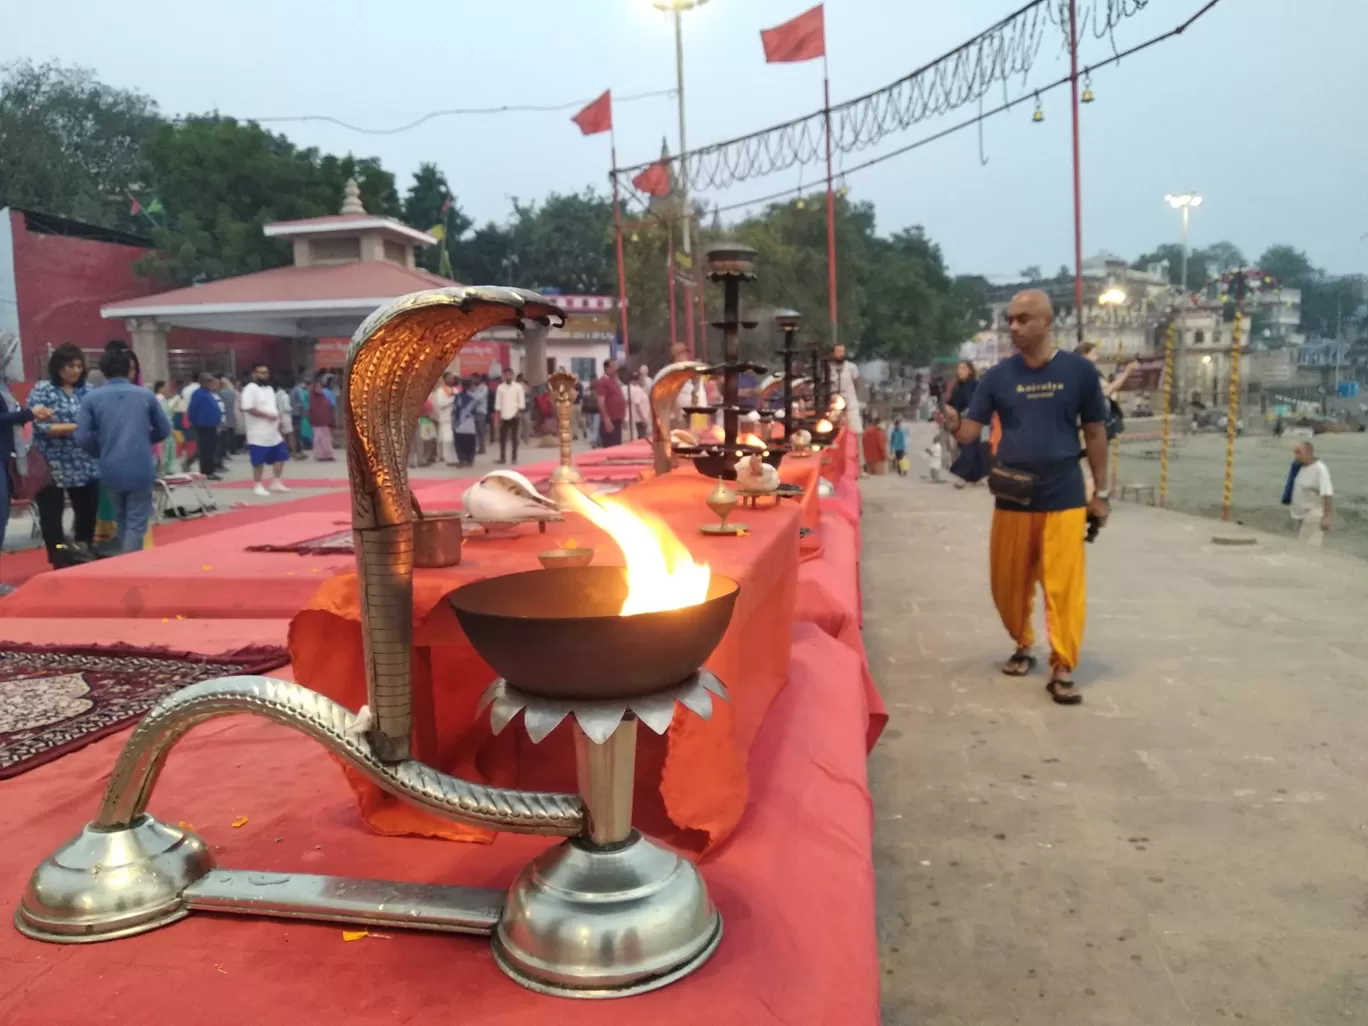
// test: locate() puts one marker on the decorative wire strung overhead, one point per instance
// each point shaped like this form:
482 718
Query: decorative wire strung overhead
964 75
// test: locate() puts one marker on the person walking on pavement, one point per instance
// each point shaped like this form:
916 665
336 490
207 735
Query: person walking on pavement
844 374
589 404
205 415
1312 496
232 417
612 405
1041 395
265 443
322 415
75 474
509 402
119 423
14 447
479 391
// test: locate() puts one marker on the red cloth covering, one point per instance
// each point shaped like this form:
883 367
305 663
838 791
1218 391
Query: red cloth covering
691 787
795 886
875 445
829 598
210 577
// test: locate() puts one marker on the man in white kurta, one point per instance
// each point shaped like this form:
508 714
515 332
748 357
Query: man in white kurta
844 374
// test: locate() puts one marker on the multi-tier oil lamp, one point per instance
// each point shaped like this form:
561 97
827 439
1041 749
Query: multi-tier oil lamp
604 913
729 264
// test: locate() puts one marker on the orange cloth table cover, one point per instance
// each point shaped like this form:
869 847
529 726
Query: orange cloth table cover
691 786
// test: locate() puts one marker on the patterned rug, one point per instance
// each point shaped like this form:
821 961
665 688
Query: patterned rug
55 700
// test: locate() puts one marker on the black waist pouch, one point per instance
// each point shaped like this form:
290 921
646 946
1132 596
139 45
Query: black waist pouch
1014 486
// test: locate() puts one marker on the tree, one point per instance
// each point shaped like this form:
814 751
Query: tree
485 258
424 206
1289 265
1223 256
219 181
1172 252
1031 273
565 243
70 145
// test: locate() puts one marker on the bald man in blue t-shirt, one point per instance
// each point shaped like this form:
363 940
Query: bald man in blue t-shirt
1041 396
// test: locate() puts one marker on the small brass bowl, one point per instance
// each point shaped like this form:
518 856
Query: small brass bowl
553 559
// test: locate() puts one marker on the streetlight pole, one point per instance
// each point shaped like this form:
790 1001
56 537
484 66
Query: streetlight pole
677 8
1183 202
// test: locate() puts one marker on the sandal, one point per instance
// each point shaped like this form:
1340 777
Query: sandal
1056 689
1020 664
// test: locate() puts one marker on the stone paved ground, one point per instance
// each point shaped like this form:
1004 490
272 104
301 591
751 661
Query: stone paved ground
1188 846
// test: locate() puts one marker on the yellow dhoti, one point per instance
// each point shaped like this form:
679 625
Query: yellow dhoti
1046 548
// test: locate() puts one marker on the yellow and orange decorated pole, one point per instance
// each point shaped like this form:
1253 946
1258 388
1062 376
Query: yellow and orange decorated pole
1168 410
1233 411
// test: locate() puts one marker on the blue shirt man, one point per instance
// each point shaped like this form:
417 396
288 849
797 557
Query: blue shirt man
119 423
1042 398
1040 409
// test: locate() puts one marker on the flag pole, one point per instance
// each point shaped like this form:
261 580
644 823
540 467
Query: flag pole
670 281
1077 186
830 202
702 350
617 229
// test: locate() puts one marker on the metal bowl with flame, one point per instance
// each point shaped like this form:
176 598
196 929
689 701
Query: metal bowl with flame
560 635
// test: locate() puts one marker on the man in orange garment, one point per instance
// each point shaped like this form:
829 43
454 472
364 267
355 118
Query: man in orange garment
875 445
1041 395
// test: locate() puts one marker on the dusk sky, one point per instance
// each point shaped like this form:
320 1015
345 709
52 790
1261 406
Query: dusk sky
1260 106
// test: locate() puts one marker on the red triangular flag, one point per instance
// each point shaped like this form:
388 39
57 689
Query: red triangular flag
136 209
655 180
597 117
446 205
801 39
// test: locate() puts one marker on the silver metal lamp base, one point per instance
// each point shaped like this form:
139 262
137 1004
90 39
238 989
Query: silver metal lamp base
589 921
104 884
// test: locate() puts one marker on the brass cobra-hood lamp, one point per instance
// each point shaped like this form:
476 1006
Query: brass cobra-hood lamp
605 913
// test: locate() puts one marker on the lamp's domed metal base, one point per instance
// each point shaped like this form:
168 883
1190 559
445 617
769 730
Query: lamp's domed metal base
104 884
600 922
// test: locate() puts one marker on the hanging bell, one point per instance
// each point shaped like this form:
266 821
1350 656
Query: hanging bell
1039 114
1087 96
801 204
636 237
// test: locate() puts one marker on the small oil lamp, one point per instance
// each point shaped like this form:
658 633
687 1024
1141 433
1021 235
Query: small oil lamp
564 385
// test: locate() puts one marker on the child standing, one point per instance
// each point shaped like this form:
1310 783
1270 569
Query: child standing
935 455
897 441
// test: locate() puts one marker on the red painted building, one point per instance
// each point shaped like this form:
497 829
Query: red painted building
57 274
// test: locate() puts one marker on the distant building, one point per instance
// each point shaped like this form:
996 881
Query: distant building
56 273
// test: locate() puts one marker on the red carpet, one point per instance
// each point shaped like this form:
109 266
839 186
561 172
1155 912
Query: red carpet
798 946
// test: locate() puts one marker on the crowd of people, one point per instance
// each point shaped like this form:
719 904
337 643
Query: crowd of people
466 416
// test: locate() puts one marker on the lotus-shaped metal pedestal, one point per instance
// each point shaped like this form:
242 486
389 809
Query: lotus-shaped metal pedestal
608 912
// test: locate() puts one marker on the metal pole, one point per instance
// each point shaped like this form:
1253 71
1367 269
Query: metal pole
1077 182
686 241
1182 331
621 266
1233 409
670 282
830 202
1168 411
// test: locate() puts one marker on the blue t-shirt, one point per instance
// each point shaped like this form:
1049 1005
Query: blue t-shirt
1040 411
897 440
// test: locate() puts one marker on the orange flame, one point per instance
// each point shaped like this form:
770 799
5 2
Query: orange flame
823 426
661 573
752 439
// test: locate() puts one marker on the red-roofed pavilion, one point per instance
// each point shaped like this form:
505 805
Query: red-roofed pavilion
345 265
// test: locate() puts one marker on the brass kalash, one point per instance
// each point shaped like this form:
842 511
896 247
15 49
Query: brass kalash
604 913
